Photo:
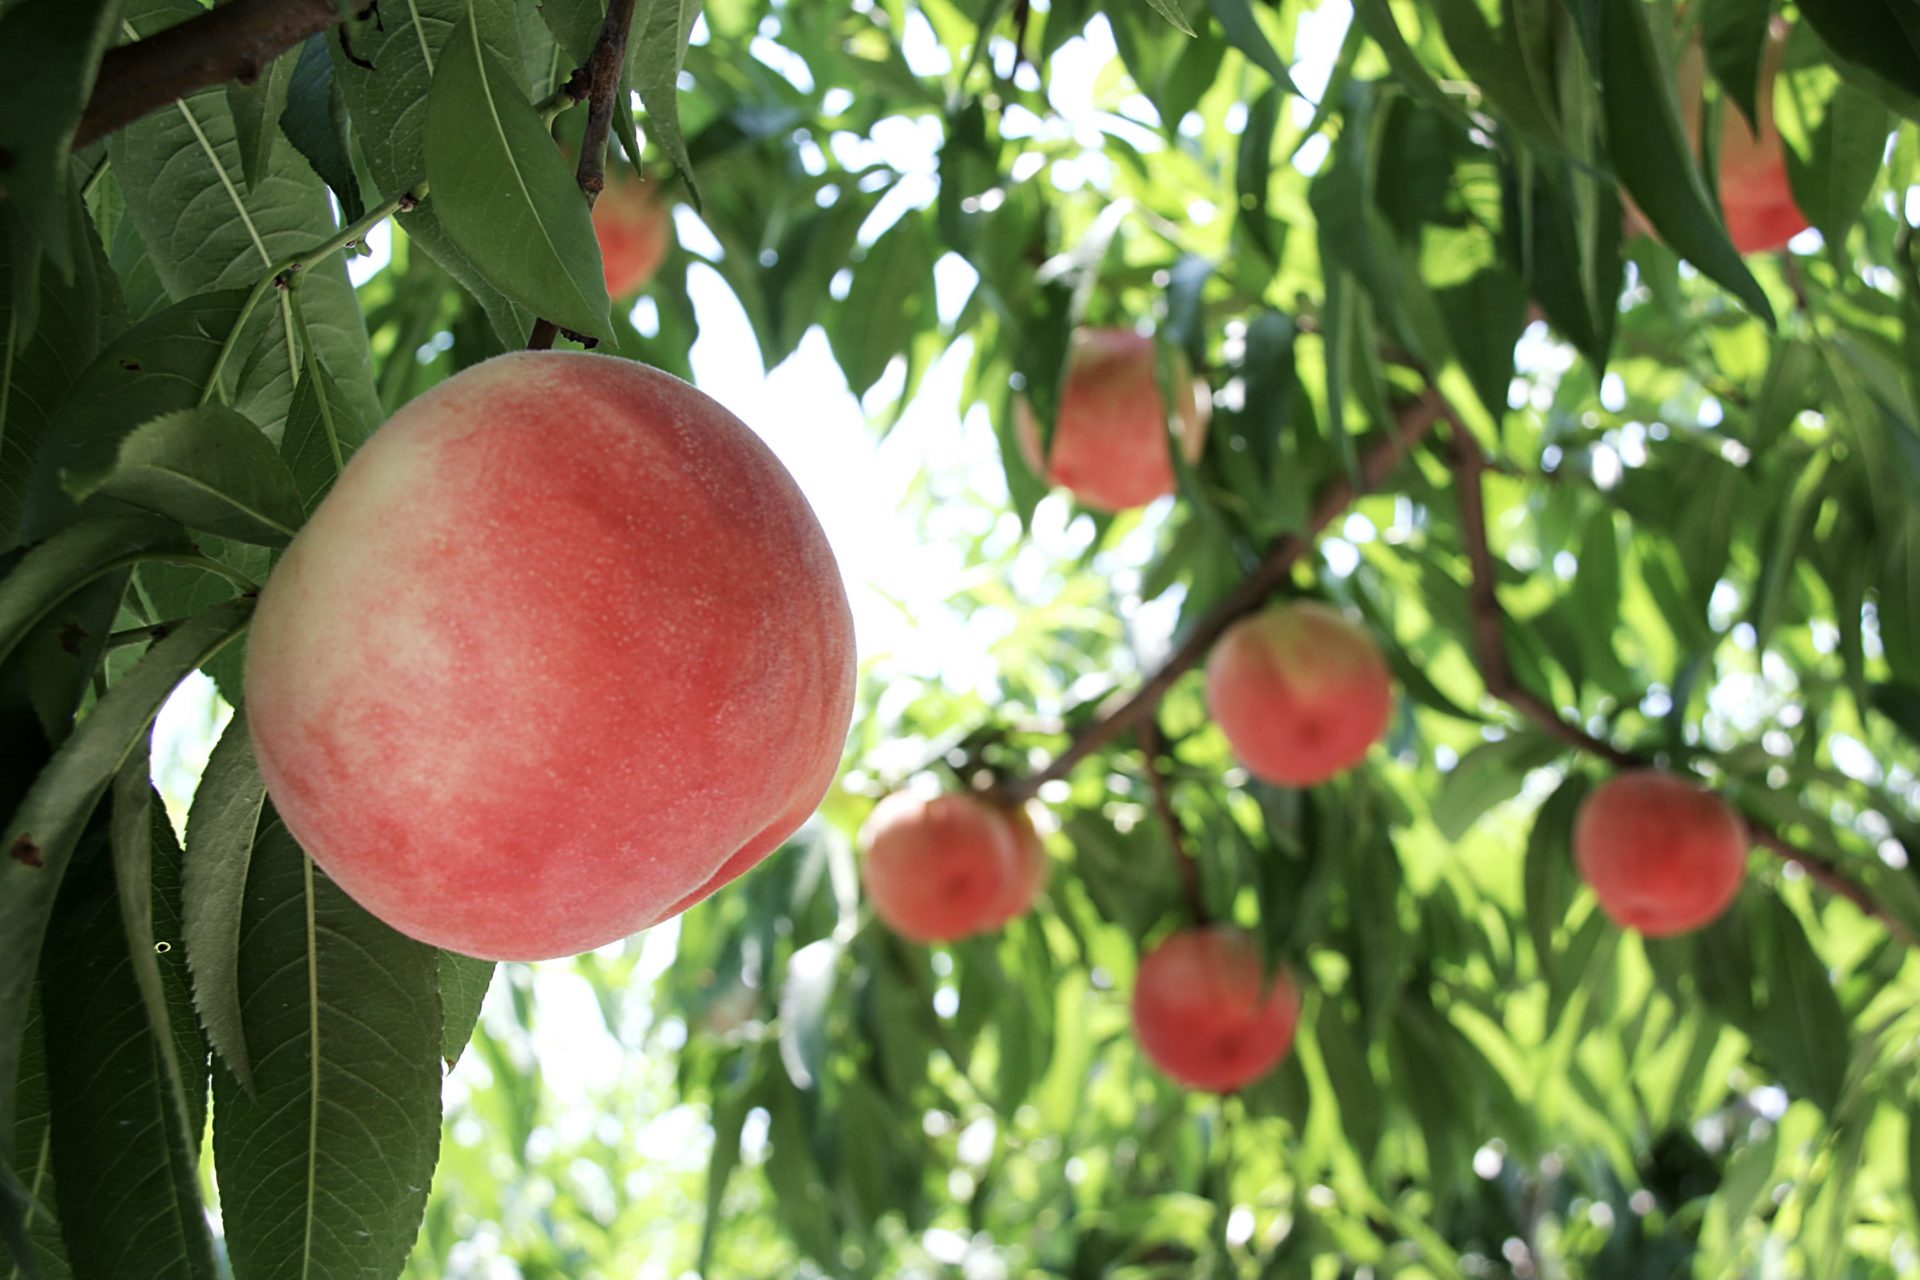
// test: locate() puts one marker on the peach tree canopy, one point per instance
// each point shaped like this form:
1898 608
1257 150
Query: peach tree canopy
1612 448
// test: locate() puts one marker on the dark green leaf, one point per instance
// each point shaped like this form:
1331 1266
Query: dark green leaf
122 1155
75 319
256 108
1836 142
40 837
504 192
70 559
315 122
1881 34
805 1001
28 1225
892 288
1173 12
50 52
221 828
324 1169
1551 880
206 467
1801 1025
1236 18
659 50
159 365
322 433
1733 34
463 989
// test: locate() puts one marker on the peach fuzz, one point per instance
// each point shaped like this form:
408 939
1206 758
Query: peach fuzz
563 651
1300 692
633 220
941 869
1109 445
1206 1014
1664 856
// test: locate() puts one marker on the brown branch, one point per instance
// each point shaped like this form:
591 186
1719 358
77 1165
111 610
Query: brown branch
605 68
231 42
1153 745
1416 419
1488 620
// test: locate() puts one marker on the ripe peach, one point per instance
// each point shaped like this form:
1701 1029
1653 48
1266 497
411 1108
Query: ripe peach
563 651
634 223
1300 692
1110 444
1663 855
1754 191
1029 871
945 868
1205 1013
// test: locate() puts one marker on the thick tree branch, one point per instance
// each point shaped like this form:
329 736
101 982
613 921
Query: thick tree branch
1416 419
1153 745
1490 648
604 71
232 42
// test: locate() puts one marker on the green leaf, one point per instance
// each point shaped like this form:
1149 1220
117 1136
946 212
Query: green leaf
146 874
1487 775
70 559
463 989
1881 34
28 1224
1801 1025
180 172
324 1169
1836 139
315 122
322 433
40 837
221 828
1899 703
1649 148
1733 34
1172 12
257 107
1551 880
397 49
1243 31
659 50
159 365
208 468
730 1109
50 52
805 1000
74 320
122 1155
504 193
892 291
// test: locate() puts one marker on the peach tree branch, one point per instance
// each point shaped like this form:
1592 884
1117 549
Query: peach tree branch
605 68
1489 620
229 42
1415 420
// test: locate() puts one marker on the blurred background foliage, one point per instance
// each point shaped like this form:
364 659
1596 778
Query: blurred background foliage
1703 509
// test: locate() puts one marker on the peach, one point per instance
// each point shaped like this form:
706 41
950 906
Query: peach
1300 692
1663 856
1029 871
563 651
1207 1015
634 223
945 868
1109 445
1754 191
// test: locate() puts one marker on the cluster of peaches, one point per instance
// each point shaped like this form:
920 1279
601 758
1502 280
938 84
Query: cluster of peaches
1301 694
565 650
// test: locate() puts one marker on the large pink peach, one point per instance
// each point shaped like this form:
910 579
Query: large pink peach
564 651
1109 444
1664 856
942 869
1300 692
1207 1015
633 220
